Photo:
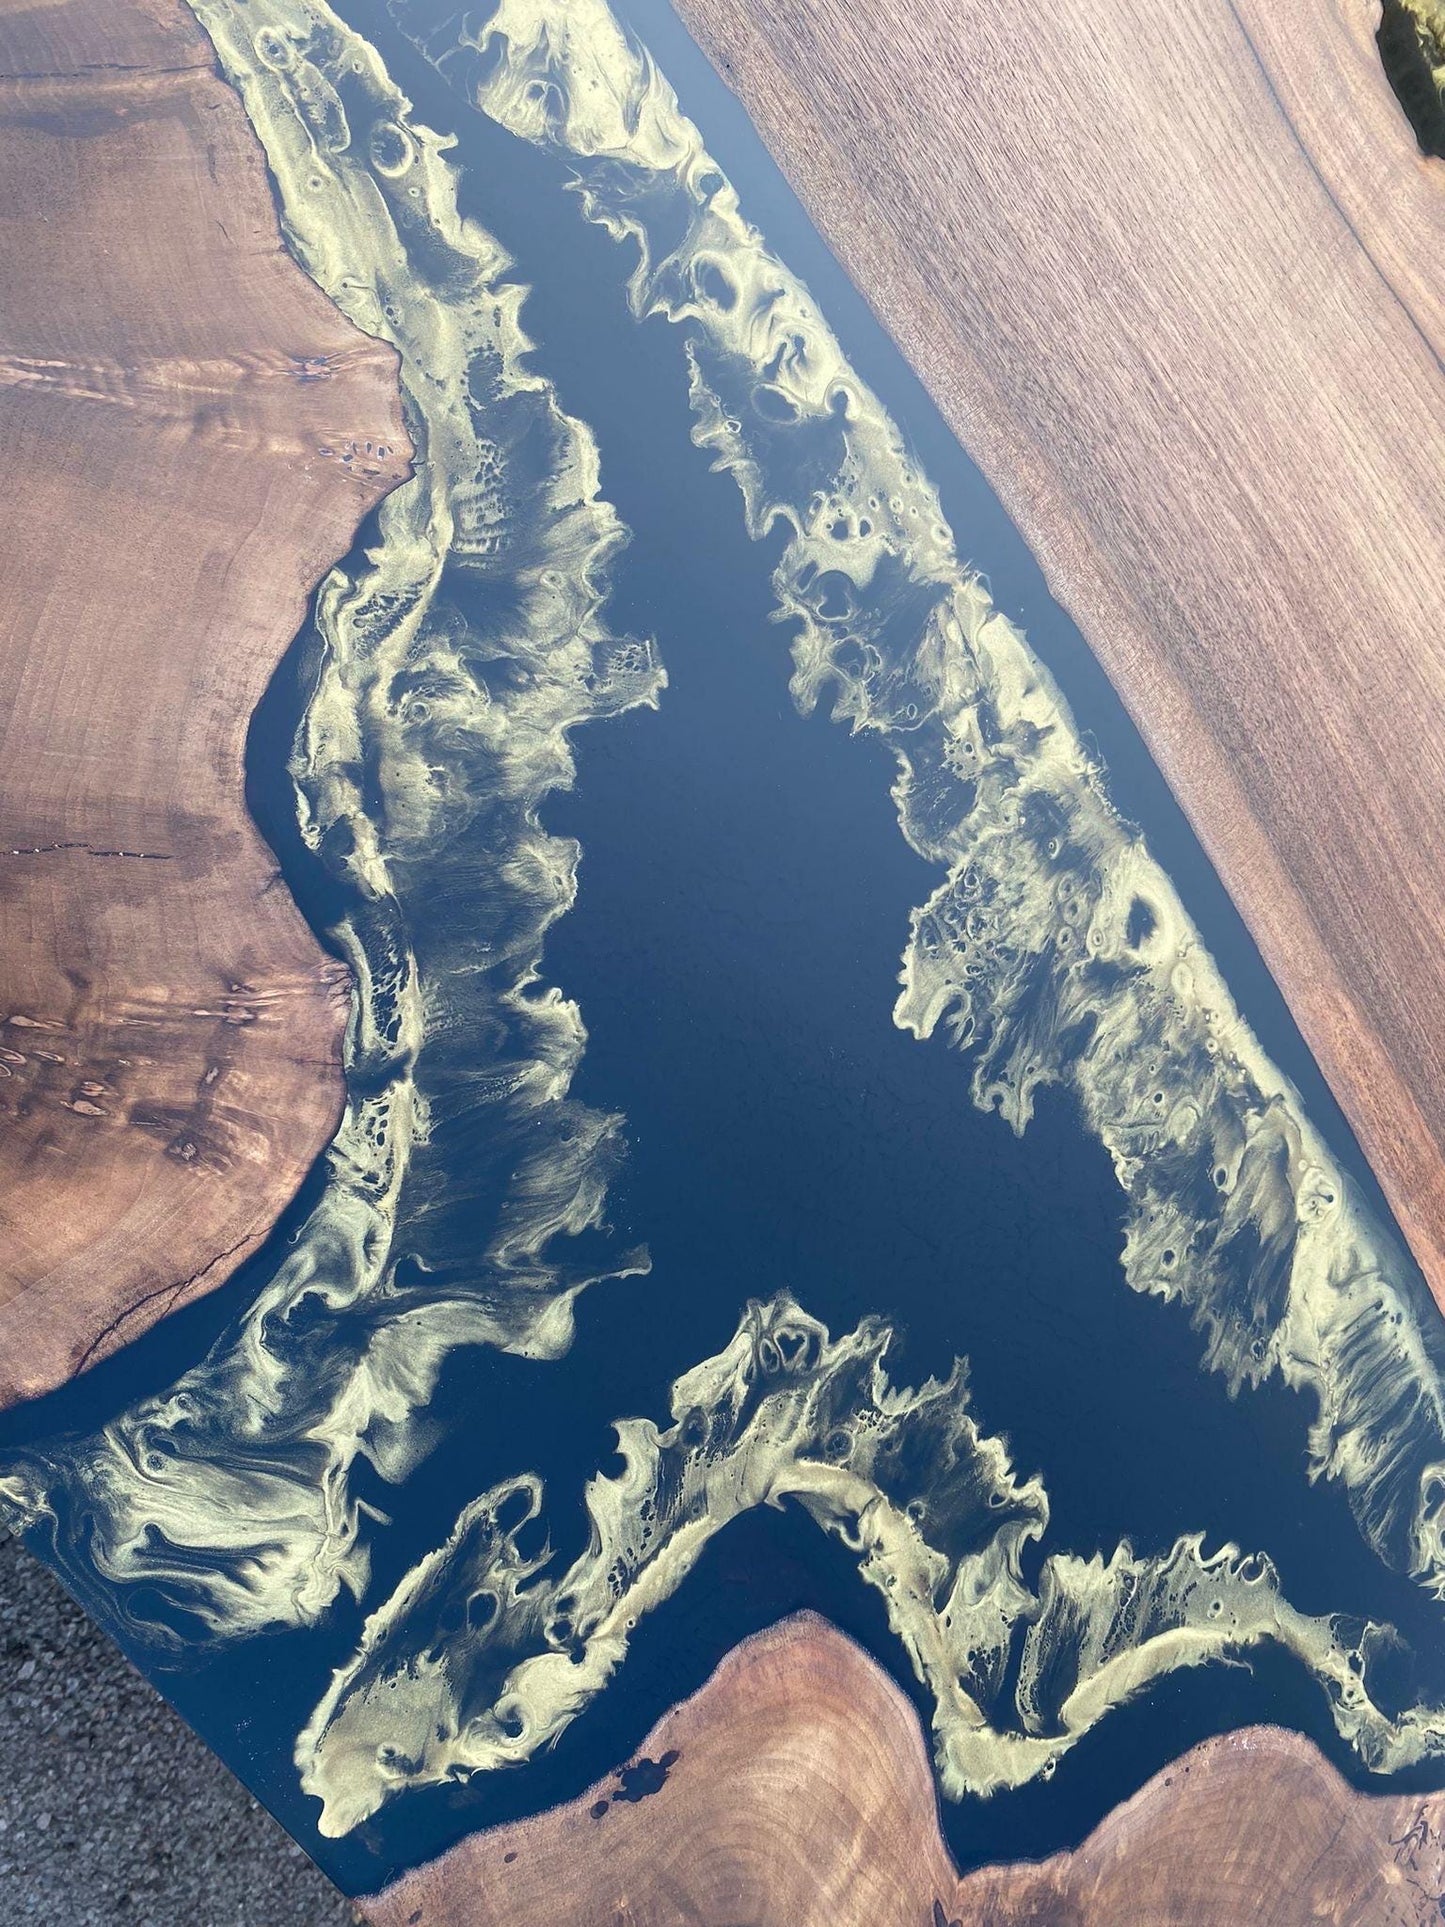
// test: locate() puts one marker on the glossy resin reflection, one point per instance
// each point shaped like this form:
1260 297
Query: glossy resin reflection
397 1455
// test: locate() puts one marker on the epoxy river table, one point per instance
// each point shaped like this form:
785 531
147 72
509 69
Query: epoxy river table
720 1139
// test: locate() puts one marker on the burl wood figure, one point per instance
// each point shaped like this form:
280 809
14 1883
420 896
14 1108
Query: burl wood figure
470 356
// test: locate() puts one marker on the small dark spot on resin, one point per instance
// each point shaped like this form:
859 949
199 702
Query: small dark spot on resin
713 285
833 596
507 1859
1141 923
774 406
514 1510
529 1542
388 147
598 1808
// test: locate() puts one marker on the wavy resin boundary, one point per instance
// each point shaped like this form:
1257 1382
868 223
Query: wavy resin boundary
485 1653
230 1495
1054 949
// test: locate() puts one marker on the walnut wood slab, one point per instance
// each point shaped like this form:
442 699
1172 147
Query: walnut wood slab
1174 275
794 1791
192 435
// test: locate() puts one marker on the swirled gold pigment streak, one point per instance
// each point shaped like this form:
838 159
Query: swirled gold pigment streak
484 1654
1055 949
230 1496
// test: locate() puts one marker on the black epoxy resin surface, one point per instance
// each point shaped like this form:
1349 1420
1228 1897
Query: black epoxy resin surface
744 897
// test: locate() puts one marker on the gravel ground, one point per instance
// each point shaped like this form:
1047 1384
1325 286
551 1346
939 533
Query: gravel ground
111 1810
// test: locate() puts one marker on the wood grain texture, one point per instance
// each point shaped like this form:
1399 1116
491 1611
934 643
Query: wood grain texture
192 435
1174 275
796 1792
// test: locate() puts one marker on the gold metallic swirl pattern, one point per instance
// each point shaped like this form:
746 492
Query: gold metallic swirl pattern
1054 949
451 660
487 1651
